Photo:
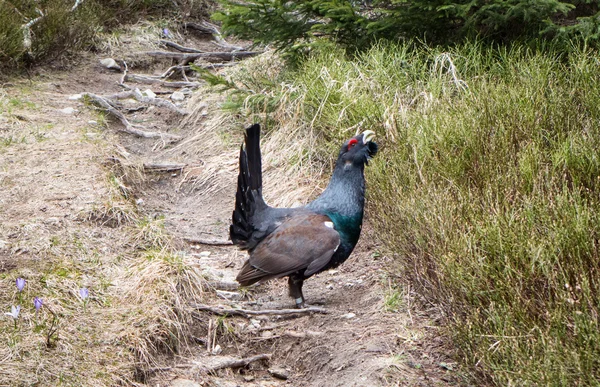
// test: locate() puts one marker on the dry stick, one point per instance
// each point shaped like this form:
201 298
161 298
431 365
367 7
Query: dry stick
160 82
209 335
164 167
187 58
129 128
209 242
177 47
246 313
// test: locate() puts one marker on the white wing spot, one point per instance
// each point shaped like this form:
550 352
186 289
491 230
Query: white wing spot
328 224
336 247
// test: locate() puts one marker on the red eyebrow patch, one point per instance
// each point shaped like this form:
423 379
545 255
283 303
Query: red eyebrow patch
352 142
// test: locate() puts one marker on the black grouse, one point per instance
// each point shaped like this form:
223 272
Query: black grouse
299 242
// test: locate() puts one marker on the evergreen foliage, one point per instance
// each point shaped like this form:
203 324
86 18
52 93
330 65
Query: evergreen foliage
358 24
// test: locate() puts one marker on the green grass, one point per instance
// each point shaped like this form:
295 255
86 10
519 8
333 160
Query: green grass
486 189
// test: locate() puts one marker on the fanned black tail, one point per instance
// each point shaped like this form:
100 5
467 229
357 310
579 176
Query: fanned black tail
248 198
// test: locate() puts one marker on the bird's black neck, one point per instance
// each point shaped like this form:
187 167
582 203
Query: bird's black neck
343 201
345 193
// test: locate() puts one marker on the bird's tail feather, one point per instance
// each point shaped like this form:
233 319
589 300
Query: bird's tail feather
248 197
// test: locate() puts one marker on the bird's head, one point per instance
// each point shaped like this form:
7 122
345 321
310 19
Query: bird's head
359 149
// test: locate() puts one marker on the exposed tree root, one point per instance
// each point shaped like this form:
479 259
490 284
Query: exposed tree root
185 58
220 285
128 127
209 242
246 313
210 29
179 47
137 94
163 167
227 363
148 80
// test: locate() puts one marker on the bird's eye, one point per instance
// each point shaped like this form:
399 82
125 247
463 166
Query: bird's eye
352 143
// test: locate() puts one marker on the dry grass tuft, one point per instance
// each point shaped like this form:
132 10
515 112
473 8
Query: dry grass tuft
159 285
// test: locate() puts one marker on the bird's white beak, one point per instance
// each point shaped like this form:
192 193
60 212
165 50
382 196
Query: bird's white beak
368 135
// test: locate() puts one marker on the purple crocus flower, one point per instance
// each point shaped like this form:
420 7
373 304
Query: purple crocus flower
14 311
20 283
37 302
166 33
84 293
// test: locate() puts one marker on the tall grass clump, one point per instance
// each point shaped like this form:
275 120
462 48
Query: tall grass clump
486 190
32 31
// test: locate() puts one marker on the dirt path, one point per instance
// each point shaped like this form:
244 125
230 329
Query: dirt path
371 336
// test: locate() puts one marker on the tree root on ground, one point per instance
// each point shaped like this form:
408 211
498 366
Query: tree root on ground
107 106
246 313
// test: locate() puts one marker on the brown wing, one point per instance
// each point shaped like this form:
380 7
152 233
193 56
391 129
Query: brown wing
304 241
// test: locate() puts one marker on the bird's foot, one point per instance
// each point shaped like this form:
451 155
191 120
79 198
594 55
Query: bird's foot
300 303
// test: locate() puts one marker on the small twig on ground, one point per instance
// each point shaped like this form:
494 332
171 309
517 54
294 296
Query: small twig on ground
129 128
208 242
245 312
178 47
209 335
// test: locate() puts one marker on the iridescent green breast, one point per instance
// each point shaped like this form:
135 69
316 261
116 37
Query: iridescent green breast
348 227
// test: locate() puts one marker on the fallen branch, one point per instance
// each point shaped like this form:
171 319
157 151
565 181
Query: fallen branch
129 128
211 29
209 242
178 47
245 312
158 81
187 58
164 167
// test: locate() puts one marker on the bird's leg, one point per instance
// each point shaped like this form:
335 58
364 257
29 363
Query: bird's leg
295 283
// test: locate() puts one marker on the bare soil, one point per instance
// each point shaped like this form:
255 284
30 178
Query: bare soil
53 175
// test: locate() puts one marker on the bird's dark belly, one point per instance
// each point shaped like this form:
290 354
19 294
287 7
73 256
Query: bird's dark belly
341 254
